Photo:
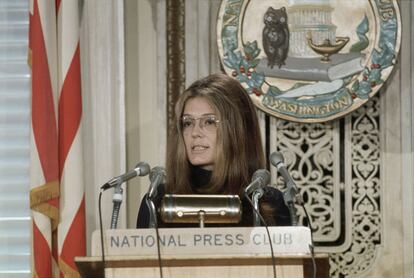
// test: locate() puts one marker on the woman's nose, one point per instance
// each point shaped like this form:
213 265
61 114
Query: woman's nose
196 129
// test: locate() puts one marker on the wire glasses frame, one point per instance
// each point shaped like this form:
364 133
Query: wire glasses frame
207 123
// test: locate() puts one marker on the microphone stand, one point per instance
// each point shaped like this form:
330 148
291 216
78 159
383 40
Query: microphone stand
290 202
257 194
117 200
291 196
153 212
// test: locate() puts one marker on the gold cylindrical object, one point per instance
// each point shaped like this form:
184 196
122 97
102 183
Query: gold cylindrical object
211 208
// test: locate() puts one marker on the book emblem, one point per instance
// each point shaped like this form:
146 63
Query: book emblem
309 60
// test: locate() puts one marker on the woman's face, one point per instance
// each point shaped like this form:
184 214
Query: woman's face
199 127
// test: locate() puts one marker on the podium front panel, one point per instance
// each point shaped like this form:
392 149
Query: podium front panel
203 252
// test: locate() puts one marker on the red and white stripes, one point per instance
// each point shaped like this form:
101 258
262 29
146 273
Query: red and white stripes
71 229
57 186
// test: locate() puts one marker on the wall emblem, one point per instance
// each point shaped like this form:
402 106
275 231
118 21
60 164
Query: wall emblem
309 60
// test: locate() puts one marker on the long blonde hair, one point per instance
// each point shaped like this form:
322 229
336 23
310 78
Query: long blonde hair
239 151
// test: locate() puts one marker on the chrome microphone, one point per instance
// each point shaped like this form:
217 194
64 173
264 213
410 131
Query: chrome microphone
277 160
142 169
291 194
157 177
260 179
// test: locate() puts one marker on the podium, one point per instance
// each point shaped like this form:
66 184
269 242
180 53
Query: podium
203 252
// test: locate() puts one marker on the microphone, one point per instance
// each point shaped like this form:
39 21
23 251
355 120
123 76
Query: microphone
277 160
141 169
291 194
157 177
260 179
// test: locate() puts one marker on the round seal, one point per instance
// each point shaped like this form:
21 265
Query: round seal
309 60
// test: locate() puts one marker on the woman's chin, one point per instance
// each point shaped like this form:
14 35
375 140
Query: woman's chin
206 165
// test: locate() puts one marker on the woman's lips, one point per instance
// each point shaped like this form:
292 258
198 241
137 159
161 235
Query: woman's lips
199 148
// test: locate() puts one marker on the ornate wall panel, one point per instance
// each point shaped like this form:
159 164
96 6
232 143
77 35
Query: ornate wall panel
337 167
312 157
365 211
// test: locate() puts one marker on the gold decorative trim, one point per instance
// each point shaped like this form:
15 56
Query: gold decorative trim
67 270
39 201
29 58
175 56
44 193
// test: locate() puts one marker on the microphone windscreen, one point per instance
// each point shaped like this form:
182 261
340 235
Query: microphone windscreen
276 158
263 175
143 168
157 172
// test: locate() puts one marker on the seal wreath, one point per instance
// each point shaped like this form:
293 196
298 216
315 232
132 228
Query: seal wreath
339 54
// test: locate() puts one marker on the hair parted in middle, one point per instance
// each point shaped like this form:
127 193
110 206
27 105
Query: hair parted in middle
239 151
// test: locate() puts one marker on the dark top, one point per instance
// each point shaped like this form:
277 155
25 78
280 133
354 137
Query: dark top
200 177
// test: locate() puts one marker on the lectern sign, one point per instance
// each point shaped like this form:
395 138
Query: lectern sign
309 60
204 241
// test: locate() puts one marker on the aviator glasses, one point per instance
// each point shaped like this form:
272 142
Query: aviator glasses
207 123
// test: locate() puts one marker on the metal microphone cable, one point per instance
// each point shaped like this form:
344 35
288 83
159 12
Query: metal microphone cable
101 232
311 246
141 169
157 177
155 222
268 234
291 195
158 249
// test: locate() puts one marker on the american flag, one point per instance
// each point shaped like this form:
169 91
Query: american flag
56 173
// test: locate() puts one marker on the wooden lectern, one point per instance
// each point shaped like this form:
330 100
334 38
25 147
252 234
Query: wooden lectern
203 252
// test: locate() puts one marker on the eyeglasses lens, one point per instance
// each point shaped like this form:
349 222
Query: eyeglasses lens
206 123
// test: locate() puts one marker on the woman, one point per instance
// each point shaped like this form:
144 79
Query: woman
215 147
